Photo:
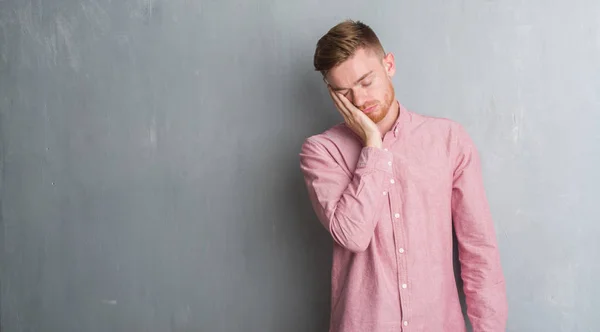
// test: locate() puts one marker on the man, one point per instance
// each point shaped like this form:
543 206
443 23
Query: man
390 185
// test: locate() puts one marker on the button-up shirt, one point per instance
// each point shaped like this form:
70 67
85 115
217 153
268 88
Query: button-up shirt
391 213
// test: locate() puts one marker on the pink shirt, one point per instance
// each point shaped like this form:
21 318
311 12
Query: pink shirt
391 212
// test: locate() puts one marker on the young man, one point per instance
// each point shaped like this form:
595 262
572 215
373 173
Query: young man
390 185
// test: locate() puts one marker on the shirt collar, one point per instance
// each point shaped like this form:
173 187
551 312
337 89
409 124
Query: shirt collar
402 118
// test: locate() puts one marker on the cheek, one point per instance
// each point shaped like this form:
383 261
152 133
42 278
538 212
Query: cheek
379 93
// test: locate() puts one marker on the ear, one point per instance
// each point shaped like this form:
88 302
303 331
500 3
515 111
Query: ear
389 64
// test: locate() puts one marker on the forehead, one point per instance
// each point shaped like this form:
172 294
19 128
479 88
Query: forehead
352 69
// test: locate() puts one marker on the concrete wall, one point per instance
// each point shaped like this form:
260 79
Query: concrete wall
149 169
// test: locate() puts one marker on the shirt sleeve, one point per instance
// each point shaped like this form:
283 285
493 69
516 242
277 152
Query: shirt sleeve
347 204
481 272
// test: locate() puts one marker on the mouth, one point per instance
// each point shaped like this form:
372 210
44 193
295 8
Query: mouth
370 109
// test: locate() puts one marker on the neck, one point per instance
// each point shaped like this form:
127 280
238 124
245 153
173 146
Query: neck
387 123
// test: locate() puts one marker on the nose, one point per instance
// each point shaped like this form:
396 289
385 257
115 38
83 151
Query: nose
359 97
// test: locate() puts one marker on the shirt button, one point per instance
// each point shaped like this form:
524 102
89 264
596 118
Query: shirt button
404 286
390 163
397 215
401 250
385 149
392 181
385 192
405 323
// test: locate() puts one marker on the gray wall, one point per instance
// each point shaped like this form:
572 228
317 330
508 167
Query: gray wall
148 152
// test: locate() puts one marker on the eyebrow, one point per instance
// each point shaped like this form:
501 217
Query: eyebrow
355 83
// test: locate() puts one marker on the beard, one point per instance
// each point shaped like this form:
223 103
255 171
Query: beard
383 106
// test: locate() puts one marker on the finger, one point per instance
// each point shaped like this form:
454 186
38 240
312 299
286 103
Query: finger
340 107
348 105
343 102
353 114
338 102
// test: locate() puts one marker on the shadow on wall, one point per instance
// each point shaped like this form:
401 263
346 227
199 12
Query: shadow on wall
302 246
315 114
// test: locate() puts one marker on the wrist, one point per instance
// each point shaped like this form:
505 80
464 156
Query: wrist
374 142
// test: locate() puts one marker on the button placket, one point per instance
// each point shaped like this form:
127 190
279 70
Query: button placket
403 281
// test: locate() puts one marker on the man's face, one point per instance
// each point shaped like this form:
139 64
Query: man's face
366 80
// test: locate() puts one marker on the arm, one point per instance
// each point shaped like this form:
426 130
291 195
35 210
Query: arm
348 205
481 272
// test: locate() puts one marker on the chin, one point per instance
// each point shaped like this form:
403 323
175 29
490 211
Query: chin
377 116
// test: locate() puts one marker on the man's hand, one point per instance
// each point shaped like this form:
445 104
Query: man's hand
359 122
